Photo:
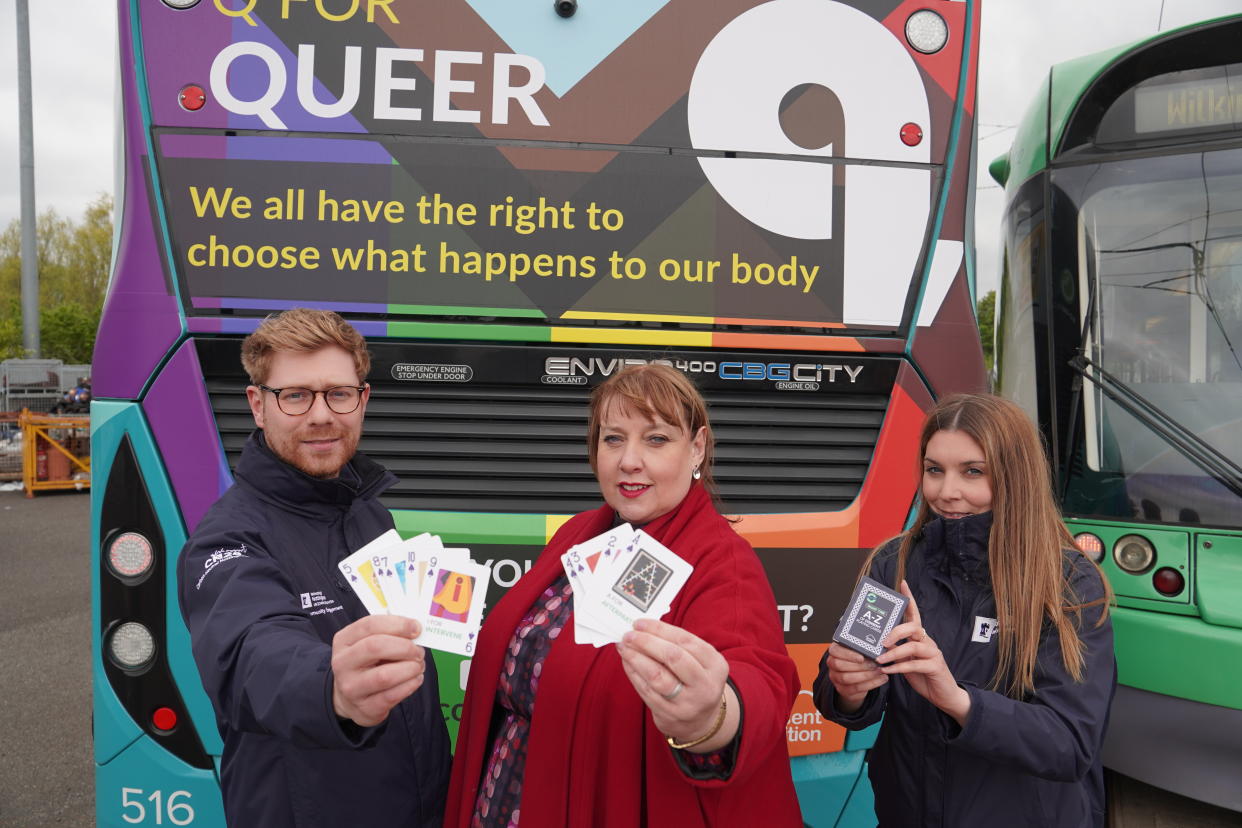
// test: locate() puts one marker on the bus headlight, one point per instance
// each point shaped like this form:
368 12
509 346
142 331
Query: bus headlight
1090 545
131 646
180 4
1134 554
926 31
130 556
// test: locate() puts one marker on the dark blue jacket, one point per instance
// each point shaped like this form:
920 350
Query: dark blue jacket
262 596
1033 762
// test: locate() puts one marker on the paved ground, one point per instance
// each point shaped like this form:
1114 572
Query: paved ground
1142 806
46 769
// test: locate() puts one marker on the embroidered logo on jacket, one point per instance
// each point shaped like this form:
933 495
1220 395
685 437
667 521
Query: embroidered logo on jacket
318 603
218 557
984 629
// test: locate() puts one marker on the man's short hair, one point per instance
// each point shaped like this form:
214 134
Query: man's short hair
306 330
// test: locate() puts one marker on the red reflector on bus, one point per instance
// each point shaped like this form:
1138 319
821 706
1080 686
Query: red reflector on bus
911 135
192 98
164 718
1168 581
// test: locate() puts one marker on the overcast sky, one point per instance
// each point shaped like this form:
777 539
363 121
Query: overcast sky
73 47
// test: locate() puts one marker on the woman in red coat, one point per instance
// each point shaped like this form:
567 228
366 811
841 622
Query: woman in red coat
683 722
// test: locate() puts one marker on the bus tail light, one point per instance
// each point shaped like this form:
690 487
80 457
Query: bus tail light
130 556
1134 554
926 31
1090 545
164 718
131 646
1168 581
133 568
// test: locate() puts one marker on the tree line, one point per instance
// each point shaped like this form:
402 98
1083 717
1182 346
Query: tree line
985 309
74 259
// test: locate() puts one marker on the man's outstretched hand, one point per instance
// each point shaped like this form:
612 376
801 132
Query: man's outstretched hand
375 666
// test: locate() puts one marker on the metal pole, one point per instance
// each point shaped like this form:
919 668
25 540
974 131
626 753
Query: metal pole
30 251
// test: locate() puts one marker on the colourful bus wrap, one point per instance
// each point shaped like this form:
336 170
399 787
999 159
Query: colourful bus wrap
1119 326
511 206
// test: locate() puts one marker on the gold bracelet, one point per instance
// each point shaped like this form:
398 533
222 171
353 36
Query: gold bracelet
720 717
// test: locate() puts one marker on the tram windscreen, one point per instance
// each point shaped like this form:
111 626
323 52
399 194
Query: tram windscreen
1159 245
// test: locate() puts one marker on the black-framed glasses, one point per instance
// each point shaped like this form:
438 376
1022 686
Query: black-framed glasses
341 399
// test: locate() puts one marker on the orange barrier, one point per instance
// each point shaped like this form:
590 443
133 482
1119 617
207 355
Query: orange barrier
56 452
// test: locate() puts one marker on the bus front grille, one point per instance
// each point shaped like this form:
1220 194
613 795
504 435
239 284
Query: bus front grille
508 440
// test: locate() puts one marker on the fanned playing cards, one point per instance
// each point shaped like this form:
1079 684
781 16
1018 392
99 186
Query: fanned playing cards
421 578
619 577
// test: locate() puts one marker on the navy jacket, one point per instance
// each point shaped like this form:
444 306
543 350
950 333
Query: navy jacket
1033 762
262 596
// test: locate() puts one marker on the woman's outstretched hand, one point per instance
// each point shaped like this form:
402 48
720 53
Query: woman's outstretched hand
853 676
922 663
681 678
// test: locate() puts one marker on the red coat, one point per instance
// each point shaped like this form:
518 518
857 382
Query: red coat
595 758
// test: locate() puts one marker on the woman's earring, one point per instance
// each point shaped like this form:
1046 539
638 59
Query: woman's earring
696 474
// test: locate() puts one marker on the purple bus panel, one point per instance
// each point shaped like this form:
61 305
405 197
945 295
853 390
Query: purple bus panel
140 321
185 430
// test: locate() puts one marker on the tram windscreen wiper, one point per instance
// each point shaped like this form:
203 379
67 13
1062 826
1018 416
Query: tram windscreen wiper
1220 467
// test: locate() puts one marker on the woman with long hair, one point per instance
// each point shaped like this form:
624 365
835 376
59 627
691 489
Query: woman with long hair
996 687
682 723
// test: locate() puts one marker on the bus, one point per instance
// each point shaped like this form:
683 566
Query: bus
512 200
1119 328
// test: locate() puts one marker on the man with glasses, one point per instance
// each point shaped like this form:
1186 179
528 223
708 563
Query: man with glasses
329 716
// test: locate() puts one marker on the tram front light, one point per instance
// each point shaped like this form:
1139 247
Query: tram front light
1134 554
181 4
926 31
131 646
130 556
1090 545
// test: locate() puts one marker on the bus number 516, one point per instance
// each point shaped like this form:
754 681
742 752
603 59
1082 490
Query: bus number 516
179 812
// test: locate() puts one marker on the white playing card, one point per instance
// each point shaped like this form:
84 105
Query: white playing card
580 563
434 557
640 582
384 565
583 560
578 568
586 634
450 606
418 550
359 571
399 567
455 554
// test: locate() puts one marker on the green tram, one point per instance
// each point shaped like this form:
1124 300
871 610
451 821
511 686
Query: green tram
1119 327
